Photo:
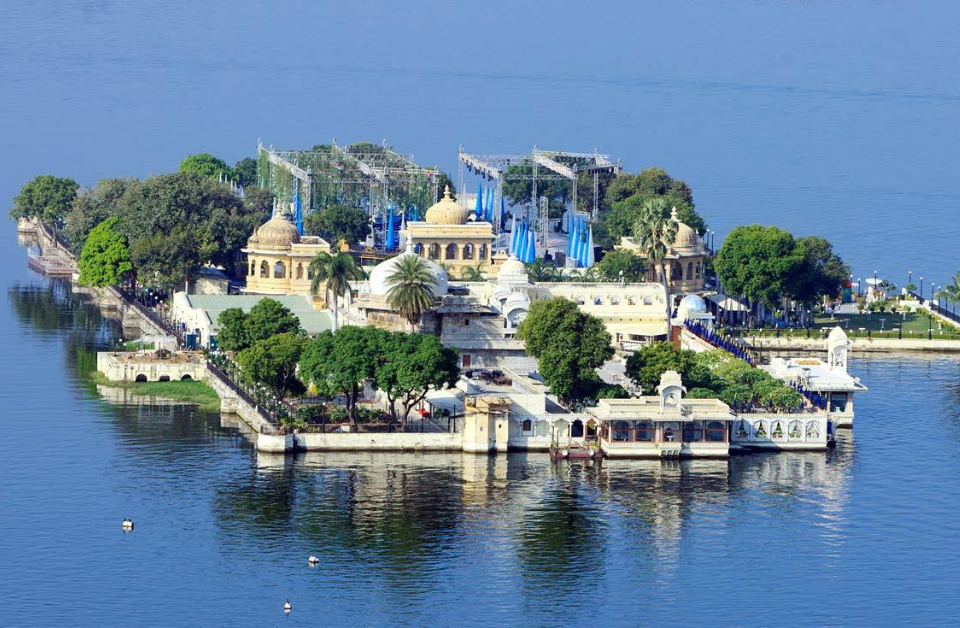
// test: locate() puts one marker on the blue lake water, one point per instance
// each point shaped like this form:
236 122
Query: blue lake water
837 120
865 534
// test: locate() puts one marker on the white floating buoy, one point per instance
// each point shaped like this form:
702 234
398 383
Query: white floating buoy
287 607
127 525
313 560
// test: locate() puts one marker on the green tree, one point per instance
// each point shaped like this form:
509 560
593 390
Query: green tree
759 262
620 261
245 172
412 365
411 288
540 271
205 165
46 198
626 195
105 258
232 330
207 222
473 273
568 344
339 223
273 363
269 317
339 363
646 365
822 273
91 207
334 273
655 235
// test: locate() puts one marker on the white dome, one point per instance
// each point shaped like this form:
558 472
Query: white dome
691 305
380 285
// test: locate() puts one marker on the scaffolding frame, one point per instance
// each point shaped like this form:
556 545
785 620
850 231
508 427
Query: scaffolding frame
494 168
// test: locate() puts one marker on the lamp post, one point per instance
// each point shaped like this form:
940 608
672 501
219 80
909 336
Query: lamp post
909 277
859 292
921 288
874 284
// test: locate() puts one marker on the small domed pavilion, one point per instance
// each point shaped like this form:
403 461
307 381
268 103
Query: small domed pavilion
447 236
278 258
684 261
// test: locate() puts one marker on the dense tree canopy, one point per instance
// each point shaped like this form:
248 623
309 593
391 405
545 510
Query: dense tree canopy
569 346
713 374
47 198
822 274
626 195
410 366
245 172
273 363
205 165
759 262
337 223
620 260
91 207
237 330
338 363
766 263
105 259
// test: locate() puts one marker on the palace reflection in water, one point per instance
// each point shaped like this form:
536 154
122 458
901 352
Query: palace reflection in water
408 539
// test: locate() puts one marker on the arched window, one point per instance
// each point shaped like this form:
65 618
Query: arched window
742 430
777 430
716 432
468 251
621 431
418 249
309 273
434 251
526 428
692 432
451 251
699 268
186 377
576 429
264 269
689 270
483 252
141 377
253 267
644 431
760 429
813 430
676 271
279 270
299 271
795 430
614 300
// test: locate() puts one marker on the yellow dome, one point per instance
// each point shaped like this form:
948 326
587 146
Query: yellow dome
513 266
686 238
276 233
447 211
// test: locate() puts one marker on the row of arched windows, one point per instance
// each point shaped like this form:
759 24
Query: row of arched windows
677 272
279 270
452 252
778 429
645 431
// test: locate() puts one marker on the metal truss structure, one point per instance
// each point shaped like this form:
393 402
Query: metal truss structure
544 165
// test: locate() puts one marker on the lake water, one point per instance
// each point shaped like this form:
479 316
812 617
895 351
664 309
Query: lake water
826 119
865 534
820 118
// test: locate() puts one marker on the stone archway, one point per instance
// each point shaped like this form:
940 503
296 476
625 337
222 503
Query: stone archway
141 377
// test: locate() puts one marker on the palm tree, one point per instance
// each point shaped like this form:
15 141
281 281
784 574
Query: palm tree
655 233
541 271
951 292
334 272
411 288
471 273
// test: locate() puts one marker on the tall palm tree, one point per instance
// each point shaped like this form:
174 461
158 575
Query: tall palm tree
334 273
655 233
411 288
